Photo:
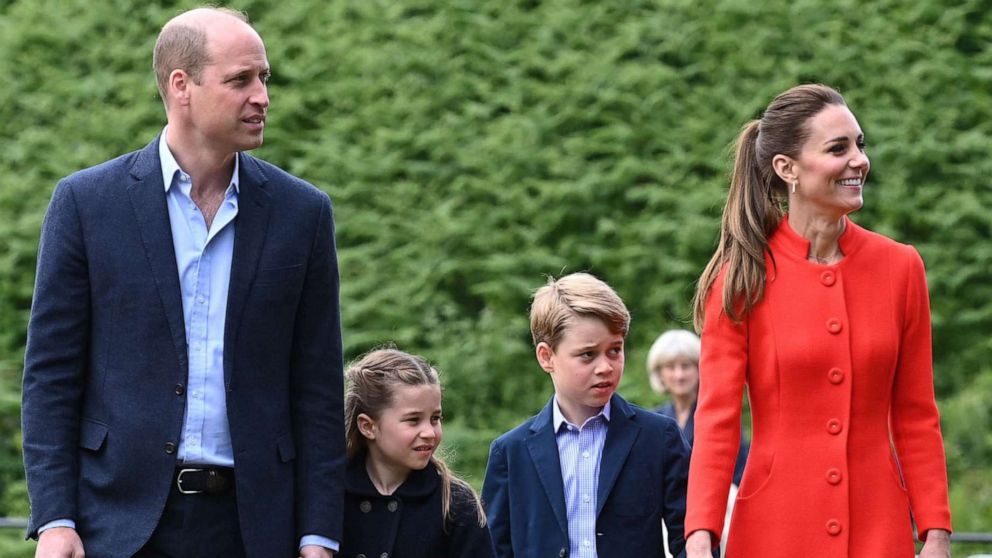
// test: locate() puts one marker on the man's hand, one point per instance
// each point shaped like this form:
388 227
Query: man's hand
314 551
59 542
699 545
938 544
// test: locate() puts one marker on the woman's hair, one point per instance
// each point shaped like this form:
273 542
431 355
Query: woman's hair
372 383
672 345
754 203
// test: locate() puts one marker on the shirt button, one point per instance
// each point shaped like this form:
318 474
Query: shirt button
585 455
833 527
834 426
834 326
200 299
180 389
586 498
170 448
828 278
835 375
586 543
392 505
365 506
834 476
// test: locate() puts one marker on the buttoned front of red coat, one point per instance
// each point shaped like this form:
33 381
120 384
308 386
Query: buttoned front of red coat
837 362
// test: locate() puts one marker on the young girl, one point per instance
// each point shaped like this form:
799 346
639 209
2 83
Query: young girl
401 500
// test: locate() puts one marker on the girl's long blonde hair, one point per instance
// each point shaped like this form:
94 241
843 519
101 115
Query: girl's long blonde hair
754 206
372 382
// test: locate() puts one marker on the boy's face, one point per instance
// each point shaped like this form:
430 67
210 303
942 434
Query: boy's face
585 368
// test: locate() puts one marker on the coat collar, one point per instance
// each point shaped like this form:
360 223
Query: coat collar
787 241
420 484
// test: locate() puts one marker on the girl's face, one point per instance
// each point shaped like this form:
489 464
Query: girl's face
832 165
680 377
405 436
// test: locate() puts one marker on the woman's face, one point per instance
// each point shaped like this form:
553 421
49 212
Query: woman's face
832 165
680 377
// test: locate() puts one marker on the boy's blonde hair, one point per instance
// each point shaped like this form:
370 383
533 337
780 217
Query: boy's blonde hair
577 295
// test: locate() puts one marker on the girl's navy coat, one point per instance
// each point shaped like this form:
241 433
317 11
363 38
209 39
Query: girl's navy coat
408 523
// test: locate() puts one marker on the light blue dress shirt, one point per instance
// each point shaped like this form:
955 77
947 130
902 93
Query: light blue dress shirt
580 451
203 257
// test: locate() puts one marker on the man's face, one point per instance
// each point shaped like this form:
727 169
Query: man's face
228 107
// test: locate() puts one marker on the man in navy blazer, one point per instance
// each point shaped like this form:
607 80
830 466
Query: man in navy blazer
590 475
183 374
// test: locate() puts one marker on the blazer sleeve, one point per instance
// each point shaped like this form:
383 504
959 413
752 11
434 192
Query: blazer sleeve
675 473
915 420
496 500
317 380
722 373
55 364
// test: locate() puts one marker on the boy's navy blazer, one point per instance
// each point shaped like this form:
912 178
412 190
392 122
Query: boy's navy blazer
642 480
106 360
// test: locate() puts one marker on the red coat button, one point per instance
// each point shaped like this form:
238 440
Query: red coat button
833 527
834 326
834 476
834 426
835 375
828 278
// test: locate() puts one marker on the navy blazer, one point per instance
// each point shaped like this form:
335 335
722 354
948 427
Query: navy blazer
106 360
642 480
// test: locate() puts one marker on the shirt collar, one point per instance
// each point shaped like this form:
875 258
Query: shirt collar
558 419
170 166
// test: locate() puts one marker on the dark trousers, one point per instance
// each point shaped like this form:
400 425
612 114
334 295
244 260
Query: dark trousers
197 526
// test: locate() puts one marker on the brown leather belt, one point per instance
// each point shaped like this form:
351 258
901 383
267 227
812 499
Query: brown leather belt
204 480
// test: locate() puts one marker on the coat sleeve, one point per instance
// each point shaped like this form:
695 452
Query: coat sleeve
55 364
915 420
722 373
318 390
467 539
496 500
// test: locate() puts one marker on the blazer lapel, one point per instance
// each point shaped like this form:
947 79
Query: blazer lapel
250 230
147 193
544 453
620 437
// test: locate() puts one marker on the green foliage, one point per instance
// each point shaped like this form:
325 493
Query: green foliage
473 148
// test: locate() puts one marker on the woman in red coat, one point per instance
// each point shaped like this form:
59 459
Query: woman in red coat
828 325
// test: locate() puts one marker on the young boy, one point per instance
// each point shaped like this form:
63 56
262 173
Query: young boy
591 476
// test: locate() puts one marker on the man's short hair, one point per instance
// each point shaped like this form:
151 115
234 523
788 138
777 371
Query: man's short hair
181 46
558 303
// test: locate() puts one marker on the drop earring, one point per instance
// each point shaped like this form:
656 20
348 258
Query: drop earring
794 183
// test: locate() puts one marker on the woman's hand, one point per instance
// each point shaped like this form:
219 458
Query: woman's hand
700 545
938 544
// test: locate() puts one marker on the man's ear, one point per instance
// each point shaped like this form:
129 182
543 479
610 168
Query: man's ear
786 168
544 354
366 426
179 86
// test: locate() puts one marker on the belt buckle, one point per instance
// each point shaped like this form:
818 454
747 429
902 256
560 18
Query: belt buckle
179 482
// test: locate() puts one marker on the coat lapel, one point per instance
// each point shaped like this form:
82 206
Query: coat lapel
620 436
147 193
250 230
544 453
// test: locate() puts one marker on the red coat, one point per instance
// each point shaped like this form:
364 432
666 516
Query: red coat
837 361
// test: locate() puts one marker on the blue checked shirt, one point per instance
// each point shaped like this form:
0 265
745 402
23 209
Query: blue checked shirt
580 449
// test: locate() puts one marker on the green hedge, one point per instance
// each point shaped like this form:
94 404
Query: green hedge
472 148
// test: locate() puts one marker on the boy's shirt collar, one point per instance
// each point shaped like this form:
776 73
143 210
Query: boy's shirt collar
558 418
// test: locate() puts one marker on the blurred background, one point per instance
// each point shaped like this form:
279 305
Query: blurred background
473 148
